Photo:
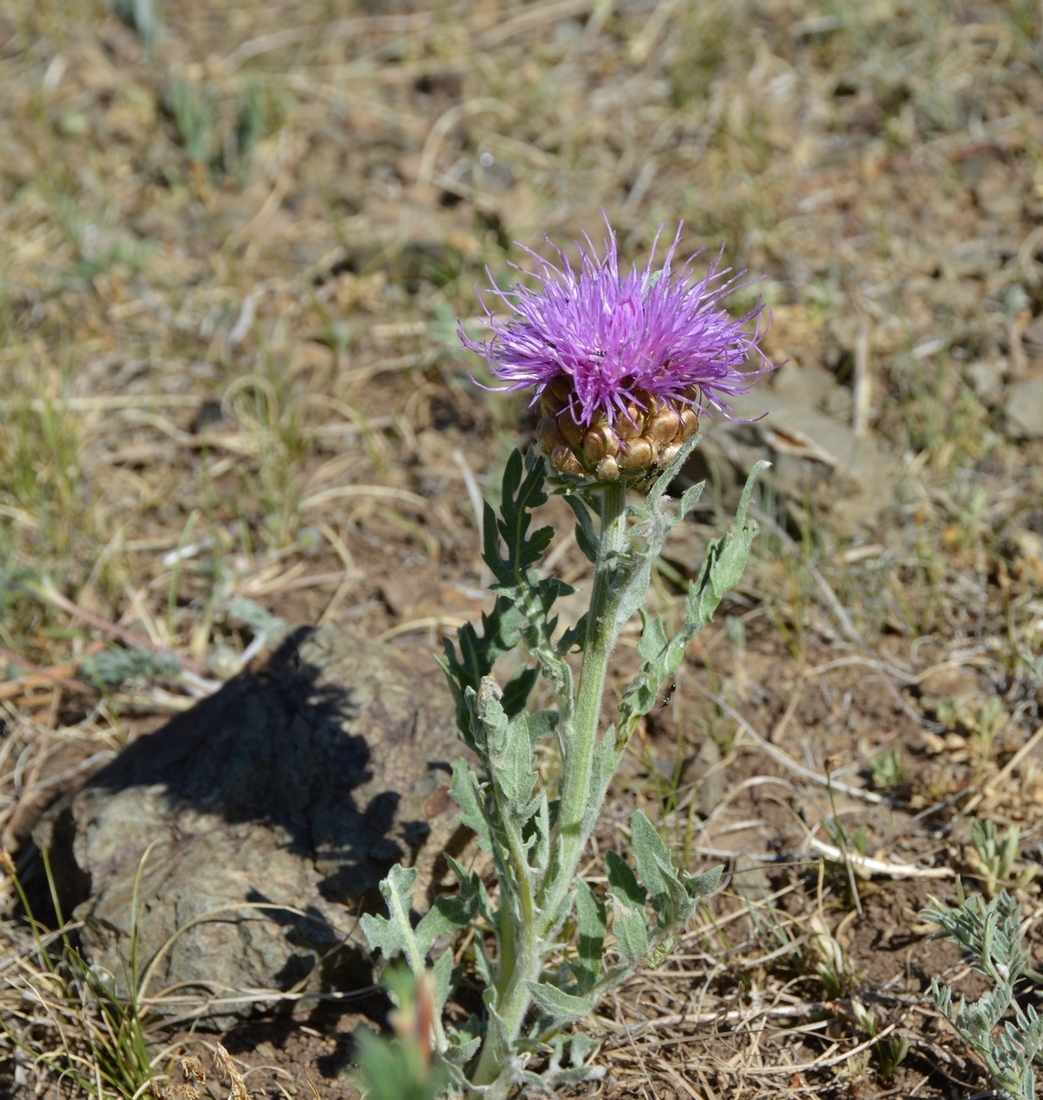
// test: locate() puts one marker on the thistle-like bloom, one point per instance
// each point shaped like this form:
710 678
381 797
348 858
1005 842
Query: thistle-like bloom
622 365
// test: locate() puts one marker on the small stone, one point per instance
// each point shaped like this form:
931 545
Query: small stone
997 194
950 682
983 377
815 459
1023 409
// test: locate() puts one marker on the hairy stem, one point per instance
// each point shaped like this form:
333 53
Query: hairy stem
602 634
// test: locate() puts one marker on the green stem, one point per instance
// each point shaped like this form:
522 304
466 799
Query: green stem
602 634
579 742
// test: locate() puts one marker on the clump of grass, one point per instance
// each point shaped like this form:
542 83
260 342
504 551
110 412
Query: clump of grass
219 131
888 770
63 1015
991 858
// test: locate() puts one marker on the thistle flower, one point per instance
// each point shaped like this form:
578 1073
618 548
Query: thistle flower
622 365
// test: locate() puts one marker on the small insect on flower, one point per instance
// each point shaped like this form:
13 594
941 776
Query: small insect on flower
622 365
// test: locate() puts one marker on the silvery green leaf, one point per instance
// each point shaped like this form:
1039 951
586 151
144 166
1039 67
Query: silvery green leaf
728 570
703 885
513 767
442 973
737 545
518 498
681 904
669 897
462 1050
651 855
631 931
723 567
586 537
690 498
477 655
393 933
643 690
624 882
466 791
448 914
629 924
489 720
592 925
471 887
653 636
563 1008
540 724
540 858
582 1048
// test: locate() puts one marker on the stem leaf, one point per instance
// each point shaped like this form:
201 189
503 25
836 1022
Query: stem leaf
689 498
442 973
466 790
651 855
624 882
702 886
562 1007
448 914
586 537
389 935
593 924
629 923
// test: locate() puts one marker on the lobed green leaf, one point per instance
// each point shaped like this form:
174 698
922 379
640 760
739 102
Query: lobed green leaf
390 935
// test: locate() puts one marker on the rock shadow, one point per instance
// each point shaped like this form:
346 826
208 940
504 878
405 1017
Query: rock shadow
244 825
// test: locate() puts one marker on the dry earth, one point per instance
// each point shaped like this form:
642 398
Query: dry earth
231 390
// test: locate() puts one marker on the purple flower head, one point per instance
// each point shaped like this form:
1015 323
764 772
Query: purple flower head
617 338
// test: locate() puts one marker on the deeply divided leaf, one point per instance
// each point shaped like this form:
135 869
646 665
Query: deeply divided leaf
392 934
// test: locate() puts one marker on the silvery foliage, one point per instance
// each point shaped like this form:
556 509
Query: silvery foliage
990 934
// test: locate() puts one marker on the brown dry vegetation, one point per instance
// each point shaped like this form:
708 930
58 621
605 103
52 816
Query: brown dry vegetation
231 388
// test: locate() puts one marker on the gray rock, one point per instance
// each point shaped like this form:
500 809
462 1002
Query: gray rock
815 459
253 828
1023 409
